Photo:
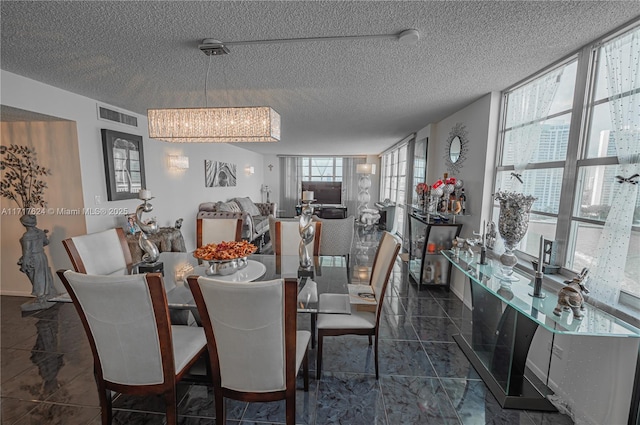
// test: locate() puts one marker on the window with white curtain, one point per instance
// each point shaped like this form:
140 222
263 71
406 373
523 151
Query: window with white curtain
394 182
571 137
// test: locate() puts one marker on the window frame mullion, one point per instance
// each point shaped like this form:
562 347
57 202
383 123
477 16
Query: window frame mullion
577 130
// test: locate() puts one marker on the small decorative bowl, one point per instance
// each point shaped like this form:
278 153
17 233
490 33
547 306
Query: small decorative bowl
225 267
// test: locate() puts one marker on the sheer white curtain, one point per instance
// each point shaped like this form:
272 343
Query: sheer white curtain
622 57
291 184
528 105
350 184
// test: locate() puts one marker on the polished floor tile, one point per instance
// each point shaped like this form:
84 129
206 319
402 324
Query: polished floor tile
46 371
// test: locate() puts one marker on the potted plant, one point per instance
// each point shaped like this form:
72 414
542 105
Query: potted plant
22 182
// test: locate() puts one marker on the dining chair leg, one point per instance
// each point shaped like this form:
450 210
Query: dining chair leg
376 355
171 407
314 317
290 407
305 371
370 341
221 417
319 355
105 405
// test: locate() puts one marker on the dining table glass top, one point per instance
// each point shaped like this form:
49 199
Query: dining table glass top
328 275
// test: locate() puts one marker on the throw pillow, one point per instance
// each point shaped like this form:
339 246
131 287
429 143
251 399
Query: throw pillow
247 205
230 206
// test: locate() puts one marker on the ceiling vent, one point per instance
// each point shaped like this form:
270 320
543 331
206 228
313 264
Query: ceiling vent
115 116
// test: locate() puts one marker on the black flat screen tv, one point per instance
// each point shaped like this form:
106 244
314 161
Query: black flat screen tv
324 192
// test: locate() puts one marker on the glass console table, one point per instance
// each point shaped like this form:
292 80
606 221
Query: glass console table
496 334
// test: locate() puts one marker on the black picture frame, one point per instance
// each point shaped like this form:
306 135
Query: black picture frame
123 164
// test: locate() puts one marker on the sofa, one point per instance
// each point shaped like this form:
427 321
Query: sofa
255 222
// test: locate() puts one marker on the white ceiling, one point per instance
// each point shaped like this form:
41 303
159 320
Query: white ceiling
347 96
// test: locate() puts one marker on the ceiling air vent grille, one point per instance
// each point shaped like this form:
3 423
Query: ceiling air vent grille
111 115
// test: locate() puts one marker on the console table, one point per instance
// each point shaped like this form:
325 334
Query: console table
168 239
497 336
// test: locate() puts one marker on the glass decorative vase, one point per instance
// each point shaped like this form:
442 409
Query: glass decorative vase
512 225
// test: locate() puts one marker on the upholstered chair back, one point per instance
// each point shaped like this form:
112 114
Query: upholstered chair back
101 253
248 331
216 230
383 265
124 333
286 237
337 235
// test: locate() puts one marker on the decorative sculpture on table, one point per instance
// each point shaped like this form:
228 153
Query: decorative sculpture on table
21 183
307 230
148 227
513 223
571 296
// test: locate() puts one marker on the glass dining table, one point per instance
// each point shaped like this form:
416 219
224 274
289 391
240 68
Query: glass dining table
323 289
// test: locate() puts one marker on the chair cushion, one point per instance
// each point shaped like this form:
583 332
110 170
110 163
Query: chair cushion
355 320
187 342
247 205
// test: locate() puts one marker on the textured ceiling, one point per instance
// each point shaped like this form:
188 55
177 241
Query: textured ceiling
348 96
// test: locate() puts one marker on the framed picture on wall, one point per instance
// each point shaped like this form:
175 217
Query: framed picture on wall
219 174
123 164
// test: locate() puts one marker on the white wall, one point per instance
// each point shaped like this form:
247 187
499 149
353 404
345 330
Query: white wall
177 194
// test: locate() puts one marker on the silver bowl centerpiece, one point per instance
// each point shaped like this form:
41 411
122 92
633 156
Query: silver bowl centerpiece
225 267
513 223
225 258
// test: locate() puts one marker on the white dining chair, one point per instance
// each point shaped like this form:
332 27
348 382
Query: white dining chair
100 253
216 230
255 349
362 322
135 348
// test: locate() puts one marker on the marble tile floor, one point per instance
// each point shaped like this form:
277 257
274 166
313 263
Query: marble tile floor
46 374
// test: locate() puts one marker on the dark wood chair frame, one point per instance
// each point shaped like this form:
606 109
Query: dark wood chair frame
288 394
369 332
76 259
167 389
199 243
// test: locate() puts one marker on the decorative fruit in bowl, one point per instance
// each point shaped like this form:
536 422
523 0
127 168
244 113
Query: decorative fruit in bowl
225 258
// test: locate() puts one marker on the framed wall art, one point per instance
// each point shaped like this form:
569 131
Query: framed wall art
219 174
123 164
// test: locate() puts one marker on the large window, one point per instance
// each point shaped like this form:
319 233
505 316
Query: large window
322 169
394 182
570 156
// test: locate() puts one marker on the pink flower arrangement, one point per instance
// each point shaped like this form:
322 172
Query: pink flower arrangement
422 188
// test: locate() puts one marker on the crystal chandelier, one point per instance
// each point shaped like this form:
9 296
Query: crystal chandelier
224 125
221 125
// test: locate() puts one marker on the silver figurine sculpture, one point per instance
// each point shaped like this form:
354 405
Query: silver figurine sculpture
148 227
307 231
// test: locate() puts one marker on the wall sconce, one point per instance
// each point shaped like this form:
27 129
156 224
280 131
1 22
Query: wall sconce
249 171
178 162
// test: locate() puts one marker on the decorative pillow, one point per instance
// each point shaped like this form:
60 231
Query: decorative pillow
230 206
247 205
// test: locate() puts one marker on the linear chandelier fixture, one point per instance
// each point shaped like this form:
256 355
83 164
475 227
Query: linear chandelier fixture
235 124
225 125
